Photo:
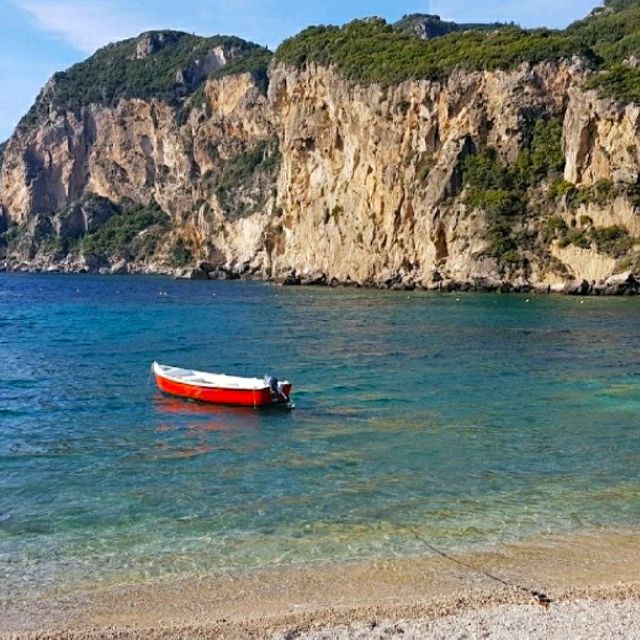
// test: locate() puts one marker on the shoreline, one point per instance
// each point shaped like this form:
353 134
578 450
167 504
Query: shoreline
618 285
349 599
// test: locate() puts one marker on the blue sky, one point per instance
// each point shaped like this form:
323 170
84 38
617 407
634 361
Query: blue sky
39 37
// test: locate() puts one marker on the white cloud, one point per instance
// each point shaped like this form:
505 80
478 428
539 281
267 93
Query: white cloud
84 25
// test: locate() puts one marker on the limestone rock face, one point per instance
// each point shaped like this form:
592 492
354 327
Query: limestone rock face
150 43
372 174
199 69
320 180
601 138
137 152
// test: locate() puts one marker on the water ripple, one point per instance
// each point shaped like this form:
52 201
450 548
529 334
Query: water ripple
471 422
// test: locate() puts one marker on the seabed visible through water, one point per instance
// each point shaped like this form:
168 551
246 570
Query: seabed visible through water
475 421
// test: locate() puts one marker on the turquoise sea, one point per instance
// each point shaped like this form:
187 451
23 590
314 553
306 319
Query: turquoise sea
474 420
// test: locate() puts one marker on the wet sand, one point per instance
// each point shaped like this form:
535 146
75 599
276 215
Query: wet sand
593 582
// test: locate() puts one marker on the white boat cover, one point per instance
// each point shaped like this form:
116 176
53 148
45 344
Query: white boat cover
212 380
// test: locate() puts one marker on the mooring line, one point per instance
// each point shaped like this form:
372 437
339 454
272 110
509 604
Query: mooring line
541 598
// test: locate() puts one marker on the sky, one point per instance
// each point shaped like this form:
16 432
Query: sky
39 37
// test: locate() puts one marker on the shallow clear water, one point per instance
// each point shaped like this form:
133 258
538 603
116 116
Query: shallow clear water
471 419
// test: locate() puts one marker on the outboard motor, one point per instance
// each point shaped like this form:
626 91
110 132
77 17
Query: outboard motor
272 381
276 387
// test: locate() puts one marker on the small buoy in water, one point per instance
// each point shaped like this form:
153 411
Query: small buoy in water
457 299
526 301
581 301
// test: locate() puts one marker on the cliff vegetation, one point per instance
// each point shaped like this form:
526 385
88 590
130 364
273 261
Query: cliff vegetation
429 26
613 32
163 65
422 153
372 51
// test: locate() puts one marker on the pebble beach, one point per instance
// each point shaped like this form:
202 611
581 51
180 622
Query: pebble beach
590 581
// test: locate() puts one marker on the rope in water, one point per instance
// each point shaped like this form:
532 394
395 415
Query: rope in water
541 598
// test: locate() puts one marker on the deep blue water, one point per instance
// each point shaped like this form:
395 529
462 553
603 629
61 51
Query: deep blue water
474 419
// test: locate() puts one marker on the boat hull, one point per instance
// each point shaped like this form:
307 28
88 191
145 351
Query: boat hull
219 395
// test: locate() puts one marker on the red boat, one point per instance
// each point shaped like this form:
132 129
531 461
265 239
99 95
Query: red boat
218 388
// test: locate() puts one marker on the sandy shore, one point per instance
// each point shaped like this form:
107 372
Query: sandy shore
593 582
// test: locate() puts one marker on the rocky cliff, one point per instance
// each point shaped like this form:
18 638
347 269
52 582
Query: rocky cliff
515 172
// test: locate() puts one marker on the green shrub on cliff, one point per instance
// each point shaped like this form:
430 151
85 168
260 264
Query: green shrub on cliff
430 26
543 156
120 234
603 192
555 224
502 190
577 237
496 203
115 72
364 51
8 234
560 188
501 240
614 241
484 170
620 82
372 51
240 170
614 35
493 188
181 253
611 32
